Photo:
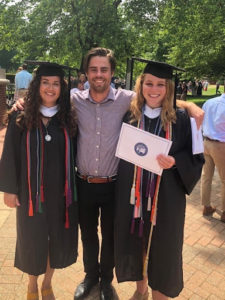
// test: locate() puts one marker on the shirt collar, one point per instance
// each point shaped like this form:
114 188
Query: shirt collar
152 112
110 96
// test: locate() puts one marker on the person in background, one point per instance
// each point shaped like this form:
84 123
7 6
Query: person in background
194 88
19 69
184 91
217 87
214 151
179 90
189 85
16 91
205 86
37 178
22 81
137 191
199 88
78 86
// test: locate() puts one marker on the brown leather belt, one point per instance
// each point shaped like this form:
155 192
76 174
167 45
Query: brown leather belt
93 179
208 139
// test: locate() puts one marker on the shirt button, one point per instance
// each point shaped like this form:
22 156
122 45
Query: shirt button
96 159
97 146
98 105
96 171
98 132
98 119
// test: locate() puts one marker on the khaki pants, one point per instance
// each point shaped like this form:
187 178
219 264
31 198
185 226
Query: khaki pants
214 153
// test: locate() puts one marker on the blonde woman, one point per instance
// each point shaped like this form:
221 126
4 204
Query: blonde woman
152 110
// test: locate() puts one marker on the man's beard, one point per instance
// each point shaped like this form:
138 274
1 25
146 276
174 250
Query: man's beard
99 89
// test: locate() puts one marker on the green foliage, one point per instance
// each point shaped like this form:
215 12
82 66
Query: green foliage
5 60
194 33
190 33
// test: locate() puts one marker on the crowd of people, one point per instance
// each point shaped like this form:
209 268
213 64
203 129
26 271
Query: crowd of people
81 83
194 88
59 168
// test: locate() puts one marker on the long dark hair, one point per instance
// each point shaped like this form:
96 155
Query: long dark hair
30 117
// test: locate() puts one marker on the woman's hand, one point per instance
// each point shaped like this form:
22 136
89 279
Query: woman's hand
165 161
11 200
18 105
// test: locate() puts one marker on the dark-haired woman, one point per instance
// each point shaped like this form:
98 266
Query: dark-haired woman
37 177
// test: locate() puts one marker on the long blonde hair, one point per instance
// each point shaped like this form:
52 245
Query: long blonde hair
168 113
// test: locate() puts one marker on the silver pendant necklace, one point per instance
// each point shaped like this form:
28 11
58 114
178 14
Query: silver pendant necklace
48 137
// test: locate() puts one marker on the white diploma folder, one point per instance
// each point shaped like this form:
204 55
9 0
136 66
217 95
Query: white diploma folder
197 138
141 148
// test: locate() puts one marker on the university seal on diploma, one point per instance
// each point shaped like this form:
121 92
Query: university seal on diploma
141 148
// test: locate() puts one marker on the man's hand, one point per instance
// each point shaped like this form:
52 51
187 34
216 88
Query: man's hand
193 110
11 200
18 105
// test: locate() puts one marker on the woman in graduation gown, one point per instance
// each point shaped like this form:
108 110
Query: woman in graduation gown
156 259
37 177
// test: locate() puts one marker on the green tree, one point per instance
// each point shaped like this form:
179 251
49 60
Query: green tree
193 34
65 30
189 33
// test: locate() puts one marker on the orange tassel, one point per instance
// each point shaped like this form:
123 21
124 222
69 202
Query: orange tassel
31 211
137 191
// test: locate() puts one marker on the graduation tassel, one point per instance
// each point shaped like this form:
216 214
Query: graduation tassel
137 187
149 203
30 210
41 165
140 233
155 202
67 191
38 171
154 208
132 192
67 225
132 195
152 186
132 226
153 222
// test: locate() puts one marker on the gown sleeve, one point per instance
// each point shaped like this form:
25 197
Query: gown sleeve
188 166
10 160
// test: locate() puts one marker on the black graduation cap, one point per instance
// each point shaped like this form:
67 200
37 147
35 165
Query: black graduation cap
161 69
46 68
158 69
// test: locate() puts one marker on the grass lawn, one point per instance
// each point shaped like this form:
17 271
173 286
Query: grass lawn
210 93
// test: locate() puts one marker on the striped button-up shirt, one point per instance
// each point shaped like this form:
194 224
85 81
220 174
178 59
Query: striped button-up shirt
99 127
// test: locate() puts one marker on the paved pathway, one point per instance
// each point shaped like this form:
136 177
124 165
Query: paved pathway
203 255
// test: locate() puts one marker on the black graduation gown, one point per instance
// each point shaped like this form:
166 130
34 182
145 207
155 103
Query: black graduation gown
165 259
44 232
